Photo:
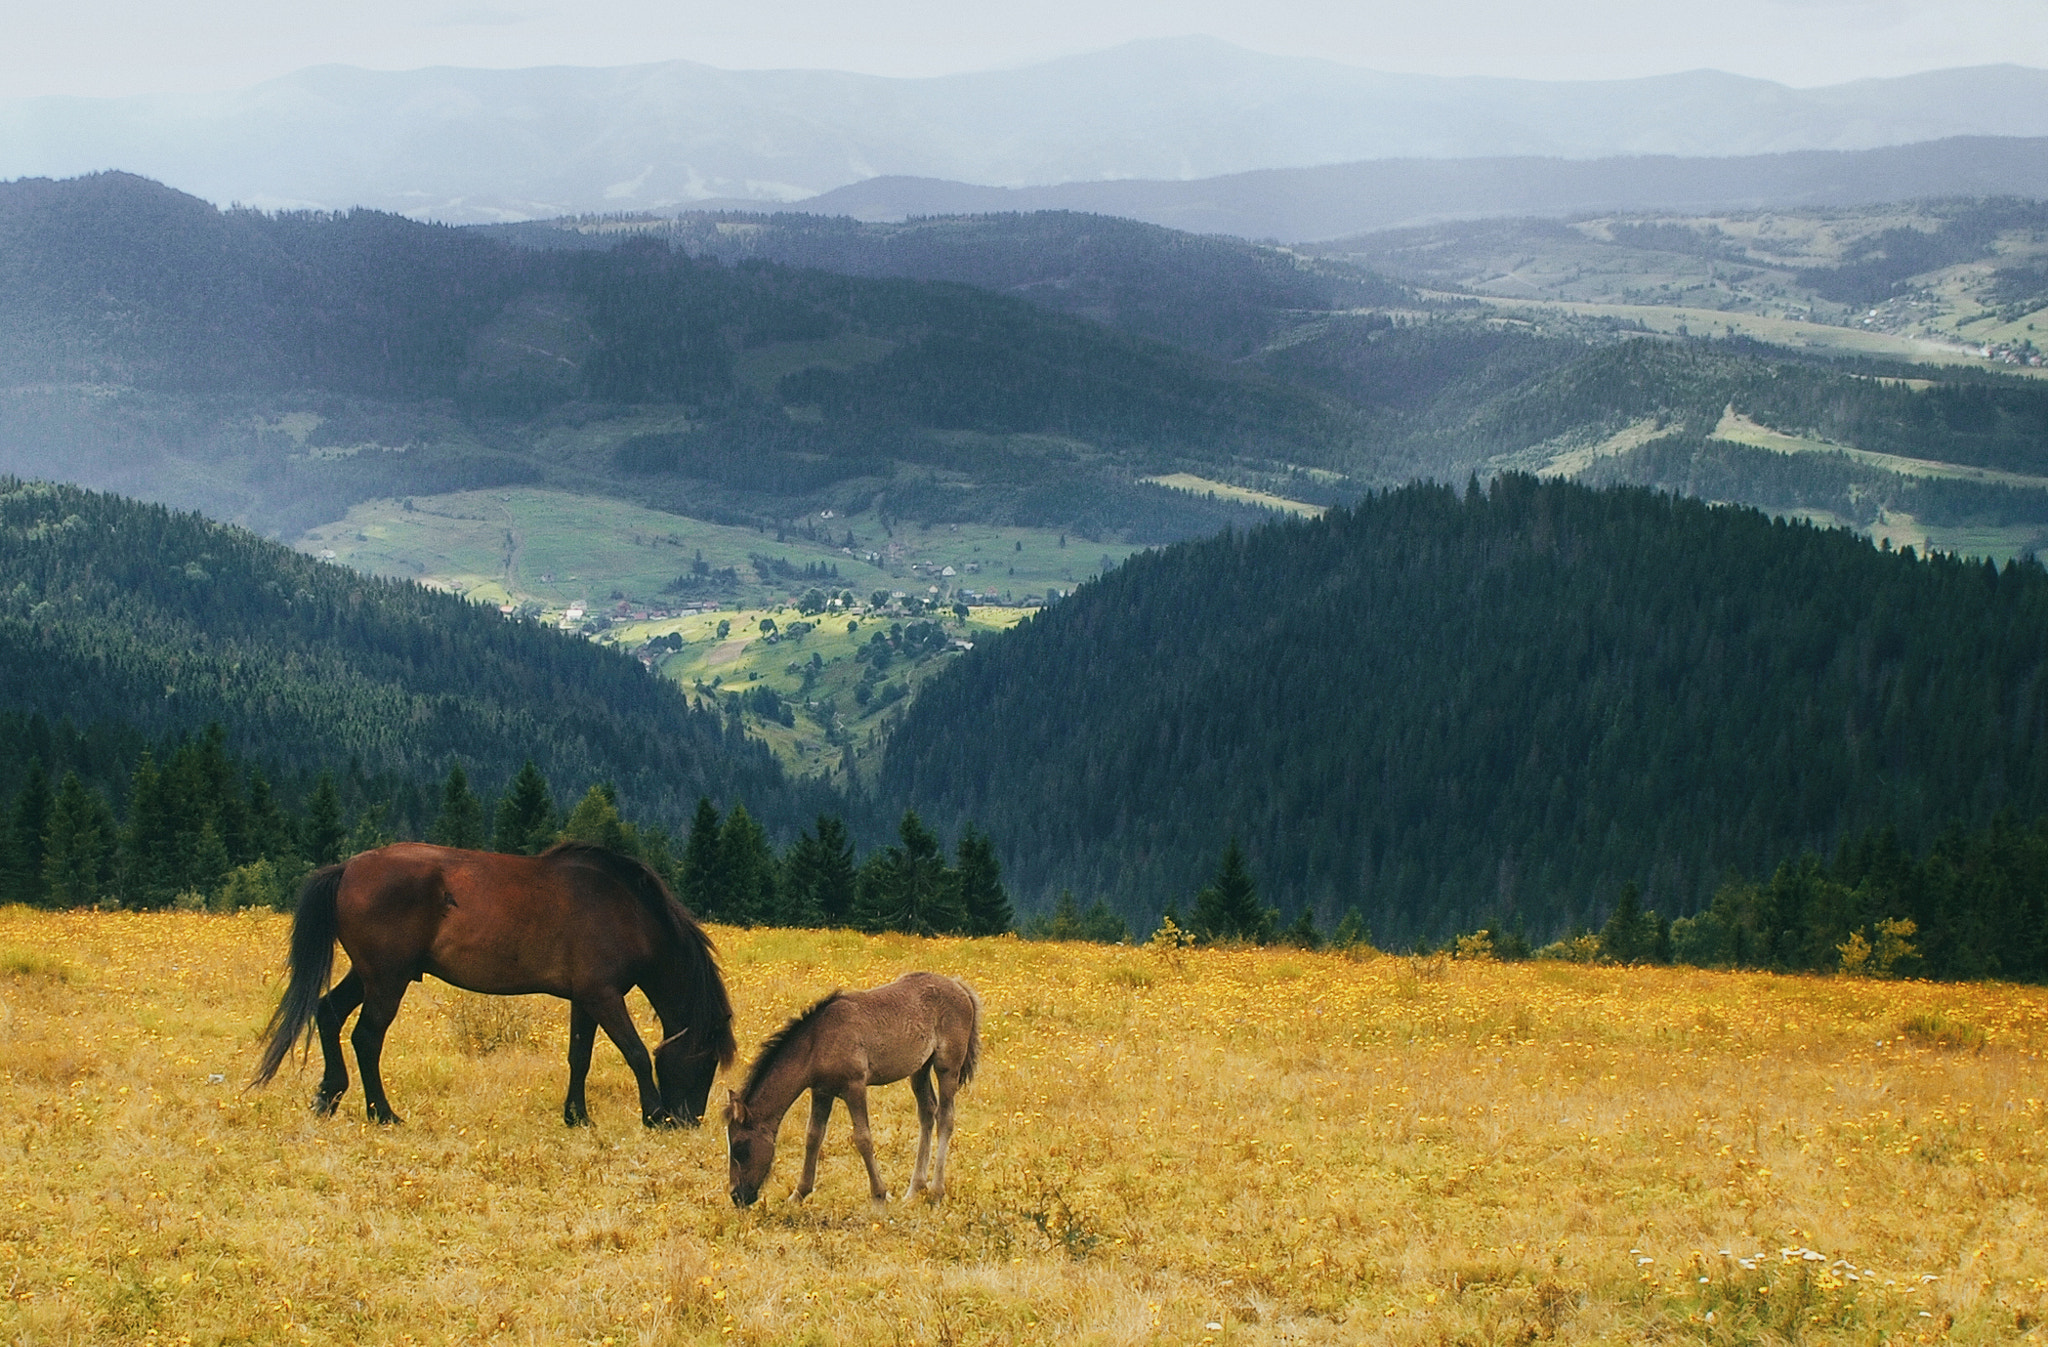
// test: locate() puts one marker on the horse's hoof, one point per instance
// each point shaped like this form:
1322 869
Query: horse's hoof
386 1118
325 1104
575 1117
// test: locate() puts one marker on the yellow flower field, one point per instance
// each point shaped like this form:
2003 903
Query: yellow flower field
1204 1147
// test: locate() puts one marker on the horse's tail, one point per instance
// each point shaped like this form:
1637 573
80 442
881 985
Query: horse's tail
973 1058
312 963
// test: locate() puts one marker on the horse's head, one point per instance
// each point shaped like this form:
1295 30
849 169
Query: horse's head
684 1078
749 1150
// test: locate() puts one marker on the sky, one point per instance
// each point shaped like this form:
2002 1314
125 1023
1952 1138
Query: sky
115 47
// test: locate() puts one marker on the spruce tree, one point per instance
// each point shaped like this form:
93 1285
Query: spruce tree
22 880
209 863
526 816
977 877
749 870
835 883
323 835
1229 908
149 860
595 819
78 846
1621 939
802 867
702 873
460 819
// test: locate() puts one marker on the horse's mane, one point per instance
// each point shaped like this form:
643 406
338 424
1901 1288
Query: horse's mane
773 1045
708 1009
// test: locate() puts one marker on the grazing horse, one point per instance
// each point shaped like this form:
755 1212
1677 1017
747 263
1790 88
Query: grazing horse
922 1025
576 921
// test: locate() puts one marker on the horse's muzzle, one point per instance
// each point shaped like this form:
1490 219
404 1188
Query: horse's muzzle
744 1197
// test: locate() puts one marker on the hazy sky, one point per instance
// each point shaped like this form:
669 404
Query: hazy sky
136 46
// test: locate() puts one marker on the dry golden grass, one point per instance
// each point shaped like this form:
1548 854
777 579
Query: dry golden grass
1208 1146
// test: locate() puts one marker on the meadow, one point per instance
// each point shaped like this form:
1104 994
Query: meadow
555 548
1184 1146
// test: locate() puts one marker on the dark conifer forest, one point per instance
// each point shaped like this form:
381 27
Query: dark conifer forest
1453 709
132 622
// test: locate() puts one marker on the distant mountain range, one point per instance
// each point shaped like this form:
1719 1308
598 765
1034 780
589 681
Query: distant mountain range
1301 205
490 145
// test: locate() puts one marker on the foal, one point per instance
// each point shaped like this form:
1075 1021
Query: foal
922 1025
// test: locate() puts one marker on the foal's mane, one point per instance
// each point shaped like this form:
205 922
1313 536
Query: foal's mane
773 1045
709 1009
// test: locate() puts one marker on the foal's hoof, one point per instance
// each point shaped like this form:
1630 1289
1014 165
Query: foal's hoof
325 1104
384 1117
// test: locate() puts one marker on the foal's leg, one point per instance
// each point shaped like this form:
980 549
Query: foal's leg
333 1011
856 1096
949 1086
582 1036
611 1015
927 1111
380 1007
814 1141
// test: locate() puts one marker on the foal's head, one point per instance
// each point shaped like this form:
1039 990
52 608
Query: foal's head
749 1149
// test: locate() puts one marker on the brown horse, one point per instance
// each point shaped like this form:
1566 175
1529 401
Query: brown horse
576 921
921 1025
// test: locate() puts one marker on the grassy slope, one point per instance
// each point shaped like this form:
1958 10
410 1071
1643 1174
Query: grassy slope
1291 1147
554 548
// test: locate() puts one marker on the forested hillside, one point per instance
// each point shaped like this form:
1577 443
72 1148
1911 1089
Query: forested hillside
1206 292
1446 709
133 622
430 357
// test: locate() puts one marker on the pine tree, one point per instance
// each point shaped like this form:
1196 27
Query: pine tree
802 867
835 882
371 830
78 846
702 872
749 868
270 829
210 861
906 886
460 820
323 835
978 879
526 816
1621 939
22 880
1303 932
1229 908
149 844
595 819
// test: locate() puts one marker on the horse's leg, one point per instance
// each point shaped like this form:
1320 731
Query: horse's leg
948 1086
856 1096
814 1141
927 1111
582 1036
334 1010
611 1015
380 1007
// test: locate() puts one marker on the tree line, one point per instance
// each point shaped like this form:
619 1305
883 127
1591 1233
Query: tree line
200 827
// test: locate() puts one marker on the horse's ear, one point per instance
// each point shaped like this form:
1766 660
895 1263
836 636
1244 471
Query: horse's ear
675 1037
735 1111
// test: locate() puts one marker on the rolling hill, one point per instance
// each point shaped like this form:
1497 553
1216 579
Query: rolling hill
129 619
279 368
1497 707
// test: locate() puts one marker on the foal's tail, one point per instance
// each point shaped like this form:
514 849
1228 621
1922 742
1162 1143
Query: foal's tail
973 1058
312 963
